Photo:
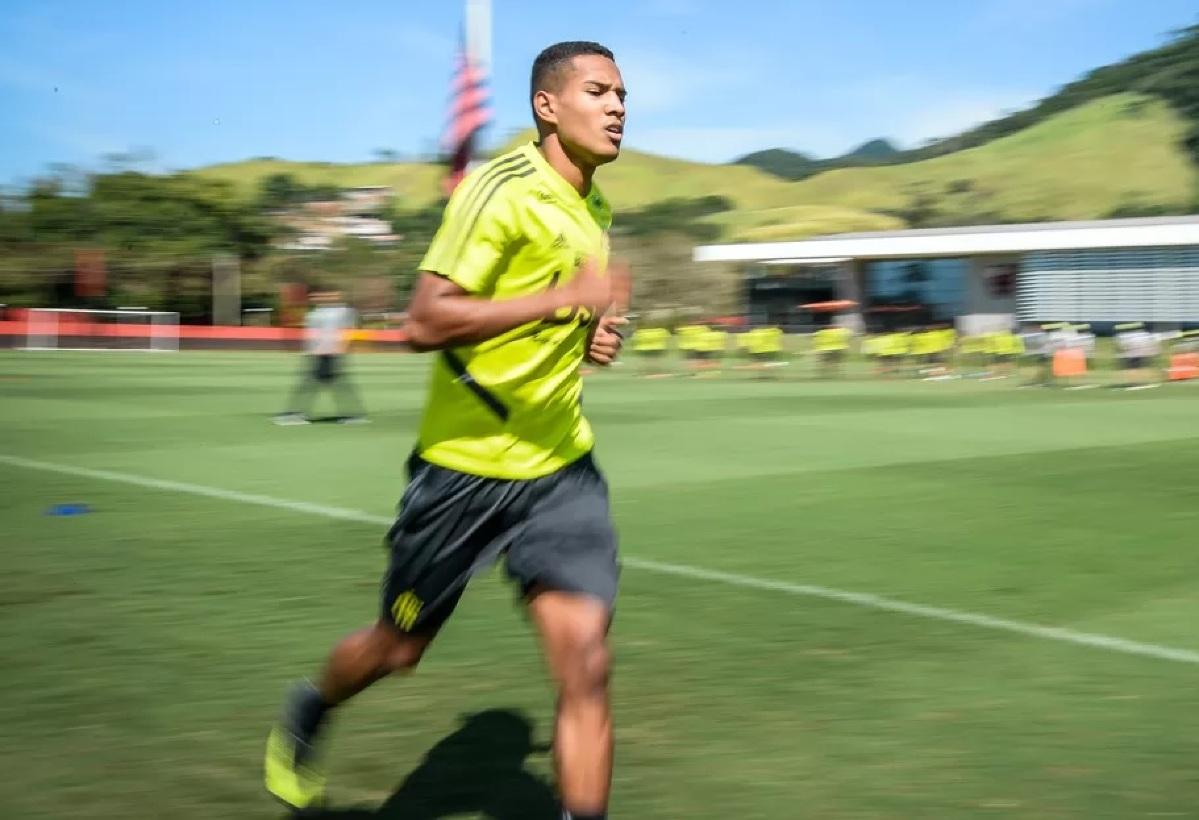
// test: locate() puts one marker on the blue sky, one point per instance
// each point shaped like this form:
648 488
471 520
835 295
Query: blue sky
223 80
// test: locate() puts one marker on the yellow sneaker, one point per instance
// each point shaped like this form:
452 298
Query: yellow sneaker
290 777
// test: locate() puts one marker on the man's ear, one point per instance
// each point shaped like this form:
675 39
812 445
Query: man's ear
545 107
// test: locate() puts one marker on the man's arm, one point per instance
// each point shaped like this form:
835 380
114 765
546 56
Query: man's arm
606 337
442 314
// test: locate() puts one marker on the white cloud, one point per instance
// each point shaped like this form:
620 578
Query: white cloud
904 109
953 114
911 109
724 143
660 82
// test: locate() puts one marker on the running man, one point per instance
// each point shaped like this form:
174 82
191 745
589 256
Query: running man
513 295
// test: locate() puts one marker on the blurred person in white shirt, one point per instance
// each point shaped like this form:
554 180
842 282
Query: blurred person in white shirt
1139 350
326 342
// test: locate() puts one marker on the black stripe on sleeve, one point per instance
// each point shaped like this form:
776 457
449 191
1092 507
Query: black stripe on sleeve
515 173
471 205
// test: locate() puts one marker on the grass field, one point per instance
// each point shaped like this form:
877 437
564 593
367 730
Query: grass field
147 644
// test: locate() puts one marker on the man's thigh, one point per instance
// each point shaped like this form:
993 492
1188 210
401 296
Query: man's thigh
450 525
567 542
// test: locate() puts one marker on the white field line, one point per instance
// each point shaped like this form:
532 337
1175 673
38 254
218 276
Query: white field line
1053 633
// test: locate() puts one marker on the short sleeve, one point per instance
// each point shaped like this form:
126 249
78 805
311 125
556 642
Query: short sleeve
475 234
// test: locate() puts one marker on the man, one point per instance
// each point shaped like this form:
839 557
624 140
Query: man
652 344
832 345
1037 353
766 349
1139 350
325 343
512 294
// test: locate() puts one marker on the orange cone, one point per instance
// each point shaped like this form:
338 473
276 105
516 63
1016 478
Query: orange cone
1070 362
1183 366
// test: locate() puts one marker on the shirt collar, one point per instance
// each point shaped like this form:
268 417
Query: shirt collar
556 181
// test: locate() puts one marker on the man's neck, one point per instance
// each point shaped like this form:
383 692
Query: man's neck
577 173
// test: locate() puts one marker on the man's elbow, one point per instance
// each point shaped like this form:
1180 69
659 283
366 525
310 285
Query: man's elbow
422 335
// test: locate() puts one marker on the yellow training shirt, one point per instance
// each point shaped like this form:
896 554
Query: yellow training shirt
511 406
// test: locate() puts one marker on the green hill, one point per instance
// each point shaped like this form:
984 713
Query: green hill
1124 139
415 183
780 162
1169 72
793 165
1118 153
872 151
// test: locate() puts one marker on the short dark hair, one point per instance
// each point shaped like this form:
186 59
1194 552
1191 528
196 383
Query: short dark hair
547 68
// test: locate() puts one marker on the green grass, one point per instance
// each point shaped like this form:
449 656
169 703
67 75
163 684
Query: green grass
148 643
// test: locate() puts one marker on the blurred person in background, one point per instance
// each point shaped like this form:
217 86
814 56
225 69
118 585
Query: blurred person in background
1005 348
894 348
652 345
765 348
975 352
923 346
326 341
712 345
1138 349
832 348
691 344
943 340
1038 355
503 463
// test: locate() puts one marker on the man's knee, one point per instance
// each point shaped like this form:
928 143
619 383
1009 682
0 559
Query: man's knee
588 664
401 651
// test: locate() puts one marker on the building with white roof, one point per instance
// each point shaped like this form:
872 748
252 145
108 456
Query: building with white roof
1098 272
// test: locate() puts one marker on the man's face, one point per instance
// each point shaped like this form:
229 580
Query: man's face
588 108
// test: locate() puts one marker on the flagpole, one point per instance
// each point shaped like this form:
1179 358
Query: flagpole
478 34
469 113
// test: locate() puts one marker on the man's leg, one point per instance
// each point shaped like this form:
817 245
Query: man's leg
366 656
434 548
349 405
573 631
301 395
565 560
357 661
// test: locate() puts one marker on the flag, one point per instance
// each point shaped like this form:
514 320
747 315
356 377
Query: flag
469 114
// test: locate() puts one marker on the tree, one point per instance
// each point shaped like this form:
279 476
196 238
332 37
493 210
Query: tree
278 191
158 234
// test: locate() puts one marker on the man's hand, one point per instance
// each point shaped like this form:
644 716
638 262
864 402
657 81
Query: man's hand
587 289
606 339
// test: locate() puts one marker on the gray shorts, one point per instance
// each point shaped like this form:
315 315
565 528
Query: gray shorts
555 531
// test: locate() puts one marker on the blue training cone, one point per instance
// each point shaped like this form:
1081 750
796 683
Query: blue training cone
61 510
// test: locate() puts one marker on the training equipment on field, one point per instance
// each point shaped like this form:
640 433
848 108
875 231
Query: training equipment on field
72 329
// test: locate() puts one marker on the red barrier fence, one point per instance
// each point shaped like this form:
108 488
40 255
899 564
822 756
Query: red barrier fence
77 325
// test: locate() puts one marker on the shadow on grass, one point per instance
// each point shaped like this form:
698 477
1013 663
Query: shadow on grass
479 768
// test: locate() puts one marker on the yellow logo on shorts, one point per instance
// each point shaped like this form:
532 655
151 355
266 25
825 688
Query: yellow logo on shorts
406 609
